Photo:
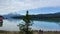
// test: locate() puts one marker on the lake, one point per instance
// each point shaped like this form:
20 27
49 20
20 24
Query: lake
11 25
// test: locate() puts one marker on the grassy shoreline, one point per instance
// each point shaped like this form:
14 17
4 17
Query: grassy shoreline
34 32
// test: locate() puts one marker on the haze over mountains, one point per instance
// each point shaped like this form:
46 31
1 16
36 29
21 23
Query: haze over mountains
47 11
34 16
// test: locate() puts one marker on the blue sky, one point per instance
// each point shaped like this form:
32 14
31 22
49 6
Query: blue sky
44 10
34 6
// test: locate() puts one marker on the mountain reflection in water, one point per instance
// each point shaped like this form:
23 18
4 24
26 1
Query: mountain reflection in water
45 25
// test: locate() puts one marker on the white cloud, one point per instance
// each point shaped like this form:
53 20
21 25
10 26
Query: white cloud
7 6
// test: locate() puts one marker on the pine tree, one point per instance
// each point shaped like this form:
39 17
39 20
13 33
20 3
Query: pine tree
26 27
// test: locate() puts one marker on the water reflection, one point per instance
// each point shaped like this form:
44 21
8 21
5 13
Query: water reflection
1 24
51 20
11 25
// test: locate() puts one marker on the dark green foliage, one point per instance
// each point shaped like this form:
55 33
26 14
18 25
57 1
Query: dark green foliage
25 28
27 18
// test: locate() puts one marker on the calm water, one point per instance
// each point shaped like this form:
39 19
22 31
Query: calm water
11 25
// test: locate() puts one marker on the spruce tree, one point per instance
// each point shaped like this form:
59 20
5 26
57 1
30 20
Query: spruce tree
25 28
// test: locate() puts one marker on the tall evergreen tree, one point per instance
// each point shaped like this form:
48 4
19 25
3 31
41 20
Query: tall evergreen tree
26 27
